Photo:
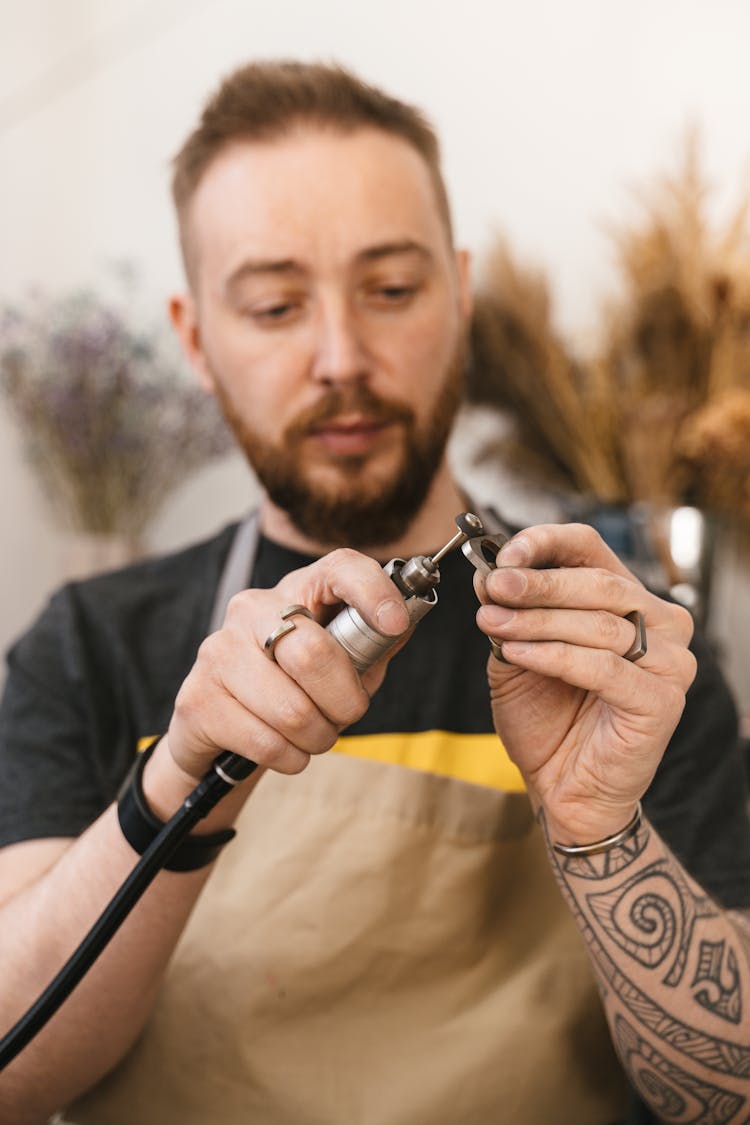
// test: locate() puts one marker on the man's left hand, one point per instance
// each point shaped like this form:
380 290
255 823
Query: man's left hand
586 727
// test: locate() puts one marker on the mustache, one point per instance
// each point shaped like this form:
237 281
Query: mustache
354 399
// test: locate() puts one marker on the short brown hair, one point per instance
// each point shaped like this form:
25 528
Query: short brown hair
264 100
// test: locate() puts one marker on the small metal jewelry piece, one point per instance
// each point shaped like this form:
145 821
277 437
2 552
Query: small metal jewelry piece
608 843
288 626
639 646
482 550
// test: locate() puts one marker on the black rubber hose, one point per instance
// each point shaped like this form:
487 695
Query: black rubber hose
208 792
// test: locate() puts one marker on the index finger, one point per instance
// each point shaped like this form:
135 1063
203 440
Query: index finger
356 580
562 545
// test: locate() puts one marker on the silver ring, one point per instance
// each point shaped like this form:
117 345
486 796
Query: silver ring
287 626
639 646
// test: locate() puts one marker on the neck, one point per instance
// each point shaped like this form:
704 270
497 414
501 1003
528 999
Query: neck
432 526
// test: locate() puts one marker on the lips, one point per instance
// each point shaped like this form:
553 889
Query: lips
351 435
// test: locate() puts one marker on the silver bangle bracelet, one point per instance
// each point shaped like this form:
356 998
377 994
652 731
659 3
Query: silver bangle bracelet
608 843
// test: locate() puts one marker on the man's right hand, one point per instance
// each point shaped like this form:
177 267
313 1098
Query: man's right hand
278 712
275 712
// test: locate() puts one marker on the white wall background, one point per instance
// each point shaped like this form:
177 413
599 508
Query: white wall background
549 112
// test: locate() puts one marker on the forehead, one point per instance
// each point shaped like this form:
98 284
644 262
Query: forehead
316 195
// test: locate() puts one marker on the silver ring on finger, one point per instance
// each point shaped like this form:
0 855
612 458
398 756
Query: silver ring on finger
639 646
288 625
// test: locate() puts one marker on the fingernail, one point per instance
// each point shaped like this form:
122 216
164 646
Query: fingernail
515 553
510 583
391 617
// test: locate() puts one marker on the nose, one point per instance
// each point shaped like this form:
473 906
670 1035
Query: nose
340 355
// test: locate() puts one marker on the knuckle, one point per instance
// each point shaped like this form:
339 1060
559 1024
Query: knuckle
344 561
675 700
272 750
207 651
344 558
234 608
351 707
611 664
239 605
216 653
188 703
324 744
690 666
538 620
314 657
588 535
684 622
562 654
608 626
285 758
294 714
547 584
607 584
296 762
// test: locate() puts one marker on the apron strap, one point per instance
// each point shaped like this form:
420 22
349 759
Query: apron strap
237 569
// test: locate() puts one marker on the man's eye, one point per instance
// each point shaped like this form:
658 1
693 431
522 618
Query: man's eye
394 294
273 314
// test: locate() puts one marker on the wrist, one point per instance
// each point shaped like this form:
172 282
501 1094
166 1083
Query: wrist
166 785
589 826
144 831
604 843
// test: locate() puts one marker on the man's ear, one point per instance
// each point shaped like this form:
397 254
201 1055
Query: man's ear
465 292
184 317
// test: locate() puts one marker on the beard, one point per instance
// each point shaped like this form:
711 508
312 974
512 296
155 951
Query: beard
359 507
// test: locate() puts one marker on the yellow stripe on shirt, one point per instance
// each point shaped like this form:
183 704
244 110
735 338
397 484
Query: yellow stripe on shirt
144 743
478 758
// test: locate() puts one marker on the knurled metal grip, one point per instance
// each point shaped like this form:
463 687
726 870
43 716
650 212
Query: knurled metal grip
363 644
416 579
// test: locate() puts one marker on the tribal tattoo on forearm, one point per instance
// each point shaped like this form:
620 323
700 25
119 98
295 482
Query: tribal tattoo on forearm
674 972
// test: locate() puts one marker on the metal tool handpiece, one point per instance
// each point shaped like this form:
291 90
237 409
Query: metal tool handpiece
416 578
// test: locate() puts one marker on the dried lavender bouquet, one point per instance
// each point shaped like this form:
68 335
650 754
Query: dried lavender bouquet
110 421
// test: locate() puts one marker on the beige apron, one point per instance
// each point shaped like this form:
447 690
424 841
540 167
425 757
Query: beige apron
378 946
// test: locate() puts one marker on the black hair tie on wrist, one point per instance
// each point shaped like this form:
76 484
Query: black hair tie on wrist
140 827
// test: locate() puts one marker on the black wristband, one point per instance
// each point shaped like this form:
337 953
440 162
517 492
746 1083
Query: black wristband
140 827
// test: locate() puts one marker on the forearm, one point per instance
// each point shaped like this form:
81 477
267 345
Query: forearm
280 711
674 974
42 925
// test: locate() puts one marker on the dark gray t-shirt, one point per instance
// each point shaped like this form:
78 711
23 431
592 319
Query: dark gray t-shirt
100 669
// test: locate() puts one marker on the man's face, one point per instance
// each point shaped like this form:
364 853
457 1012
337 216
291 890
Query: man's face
329 317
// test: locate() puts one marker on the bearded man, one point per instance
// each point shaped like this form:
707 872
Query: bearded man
411 927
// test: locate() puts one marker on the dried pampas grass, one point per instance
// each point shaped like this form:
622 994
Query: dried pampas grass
661 412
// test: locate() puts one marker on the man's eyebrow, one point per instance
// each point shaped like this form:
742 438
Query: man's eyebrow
253 267
386 249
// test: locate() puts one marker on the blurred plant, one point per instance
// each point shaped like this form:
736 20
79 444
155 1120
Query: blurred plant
110 421
553 399
661 412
